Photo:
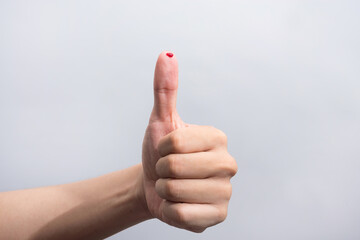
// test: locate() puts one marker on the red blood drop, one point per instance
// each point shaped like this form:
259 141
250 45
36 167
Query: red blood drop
169 54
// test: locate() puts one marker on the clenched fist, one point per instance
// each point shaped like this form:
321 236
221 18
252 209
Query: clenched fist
184 180
186 168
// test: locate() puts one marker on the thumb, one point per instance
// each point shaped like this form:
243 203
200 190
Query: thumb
165 87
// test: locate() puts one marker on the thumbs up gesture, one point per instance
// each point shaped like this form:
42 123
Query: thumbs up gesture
186 168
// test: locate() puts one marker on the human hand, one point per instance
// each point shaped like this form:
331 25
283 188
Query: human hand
186 168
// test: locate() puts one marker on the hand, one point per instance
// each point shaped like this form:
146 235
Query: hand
186 168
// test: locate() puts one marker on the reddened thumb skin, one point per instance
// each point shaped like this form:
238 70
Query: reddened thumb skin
165 87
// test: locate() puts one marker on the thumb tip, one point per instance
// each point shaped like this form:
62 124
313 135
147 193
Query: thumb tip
165 85
167 59
166 54
166 71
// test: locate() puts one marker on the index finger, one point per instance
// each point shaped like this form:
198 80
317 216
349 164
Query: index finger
192 139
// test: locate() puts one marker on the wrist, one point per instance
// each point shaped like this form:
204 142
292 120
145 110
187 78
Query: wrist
139 191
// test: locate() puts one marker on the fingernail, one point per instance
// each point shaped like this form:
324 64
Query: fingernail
169 54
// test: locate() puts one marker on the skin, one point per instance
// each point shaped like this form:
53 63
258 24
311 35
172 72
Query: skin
184 180
187 168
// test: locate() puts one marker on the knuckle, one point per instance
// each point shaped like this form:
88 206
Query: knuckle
159 187
172 165
227 166
159 167
230 166
176 141
171 189
221 214
181 216
234 167
227 191
220 135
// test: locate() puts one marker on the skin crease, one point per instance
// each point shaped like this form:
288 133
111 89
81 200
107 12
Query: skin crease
184 180
164 120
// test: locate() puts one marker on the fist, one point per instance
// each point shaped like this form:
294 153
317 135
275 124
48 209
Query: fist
187 168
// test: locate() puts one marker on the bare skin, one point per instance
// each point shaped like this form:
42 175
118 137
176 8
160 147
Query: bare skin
184 180
187 168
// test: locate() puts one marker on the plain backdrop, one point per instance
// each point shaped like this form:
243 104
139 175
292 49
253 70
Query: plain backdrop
281 78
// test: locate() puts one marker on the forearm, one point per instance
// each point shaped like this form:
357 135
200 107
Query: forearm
90 209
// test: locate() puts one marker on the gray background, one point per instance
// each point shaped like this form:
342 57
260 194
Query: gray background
281 78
